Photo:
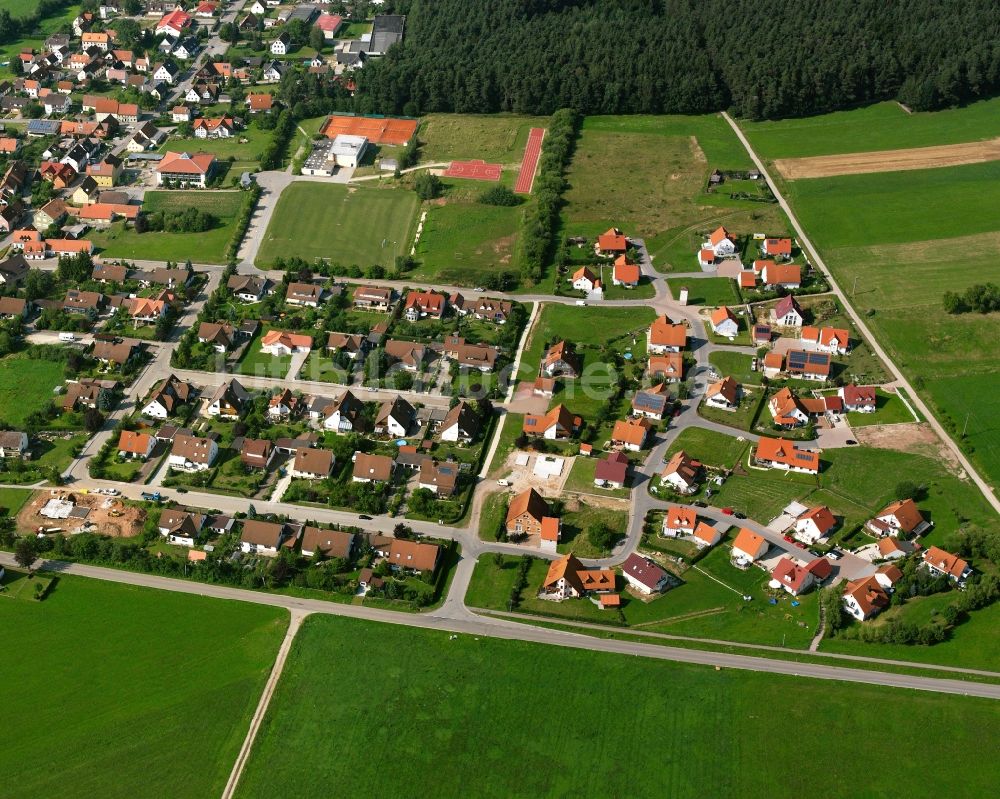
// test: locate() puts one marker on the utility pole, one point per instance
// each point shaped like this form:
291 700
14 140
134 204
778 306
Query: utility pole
966 425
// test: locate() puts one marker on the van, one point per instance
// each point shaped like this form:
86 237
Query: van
67 337
502 482
581 302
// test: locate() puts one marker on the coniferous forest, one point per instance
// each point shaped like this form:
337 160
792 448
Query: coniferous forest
759 58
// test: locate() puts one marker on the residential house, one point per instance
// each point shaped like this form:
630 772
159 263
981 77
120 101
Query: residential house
166 72
777 453
372 468
625 273
216 128
724 323
145 310
13 444
328 543
282 405
567 578
407 354
77 301
723 394
749 546
944 564
260 103
247 287
86 192
167 397
307 294
787 409
706 256
280 342
52 213
497 311
681 473
787 276
372 298
888 575
266 538
612 243
525 514
706 536
228 401
351 345
116 354
561 361
181 528
815 524
135 445
680 520
669 367
470 356
395 418
892 548
420 304
761 334
192 454
256 453
808 365
345 415
787 313
611 471
219 335
777 248
281 44
793 577
461 425
585 280
865 598
631 434
441 478
644 575
721 243
13 308
666 336
409 556
557 423
651 402
858 399
826 339
900 518
312 464
174 22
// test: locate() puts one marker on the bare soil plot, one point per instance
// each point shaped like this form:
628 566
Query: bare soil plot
917 438
107 515
825 166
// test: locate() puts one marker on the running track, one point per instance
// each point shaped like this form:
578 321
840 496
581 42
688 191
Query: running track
532 151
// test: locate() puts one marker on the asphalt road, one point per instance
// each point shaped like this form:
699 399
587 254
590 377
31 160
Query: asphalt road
471 624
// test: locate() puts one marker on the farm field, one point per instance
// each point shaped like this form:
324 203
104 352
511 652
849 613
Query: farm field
465 242
495 138
207 247
449 692
110 709
26 386
346 225
663 200
883 126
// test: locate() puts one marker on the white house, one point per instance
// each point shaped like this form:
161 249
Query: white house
584 280
814 524
281 45
13 443
723 394
644 575
312 464
343 415
749 546
865 598
460 425
787 312
706 536
724 323
721 243
681 473
395 418
192 454
680 520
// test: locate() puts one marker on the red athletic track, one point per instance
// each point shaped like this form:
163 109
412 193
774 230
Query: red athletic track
532 151
473 170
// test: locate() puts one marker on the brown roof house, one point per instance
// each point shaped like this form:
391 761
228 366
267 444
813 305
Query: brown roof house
312 464
192 454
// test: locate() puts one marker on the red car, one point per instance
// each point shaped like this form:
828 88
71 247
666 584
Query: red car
727 511
789 539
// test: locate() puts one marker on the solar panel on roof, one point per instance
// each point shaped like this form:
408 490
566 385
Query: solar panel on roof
796 359
803 456
818 357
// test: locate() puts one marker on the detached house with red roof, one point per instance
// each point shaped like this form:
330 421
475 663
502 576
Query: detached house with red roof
721 243
611 471
644 575
777 248
815 524
681 473
826 339
724 323
174 22
865 598
567 578
680 520
631 434
944 564
421 304
585 280
900 518
723 394
792 577
749 546
777 453
612 243
666 336
787 313
858 399
786 276
558 423
625 273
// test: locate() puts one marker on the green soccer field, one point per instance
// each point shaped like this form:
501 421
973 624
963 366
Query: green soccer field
489 718
119 691
348 225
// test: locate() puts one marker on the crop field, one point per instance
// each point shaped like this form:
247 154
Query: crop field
499 694
347 225
495 138
121 688
26 386
463 242
883 126
208 247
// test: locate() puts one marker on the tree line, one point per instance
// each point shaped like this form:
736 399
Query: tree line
759 58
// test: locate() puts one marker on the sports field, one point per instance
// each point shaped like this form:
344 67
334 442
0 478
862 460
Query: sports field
378 130
208 247
883 126
647 176
348 225
497 138
119 691
26 386
508 718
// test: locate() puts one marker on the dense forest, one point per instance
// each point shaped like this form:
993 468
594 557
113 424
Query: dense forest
760 58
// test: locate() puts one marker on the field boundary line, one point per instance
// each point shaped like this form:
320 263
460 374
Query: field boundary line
295 622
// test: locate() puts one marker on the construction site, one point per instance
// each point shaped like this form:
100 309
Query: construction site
71 512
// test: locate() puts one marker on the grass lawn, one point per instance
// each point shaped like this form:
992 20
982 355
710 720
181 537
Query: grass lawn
319 366
493 513
709 447
246 154
494 138
13 499
262 364
107 727
883 126
349 225
125 471
463 242
710 291
889 409
575 525
742 417
207 247
581 479
452 691
734 364
26 386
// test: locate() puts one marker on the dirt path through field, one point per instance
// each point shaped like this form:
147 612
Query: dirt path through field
825 166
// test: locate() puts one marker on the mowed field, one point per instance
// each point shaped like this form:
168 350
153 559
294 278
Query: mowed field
646 175
490 718
496 138
208 247
118 691
899 240
348 225
26 386
883 126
